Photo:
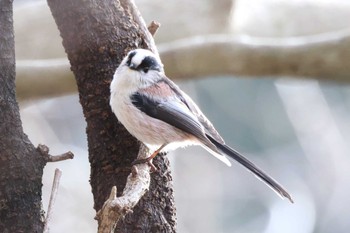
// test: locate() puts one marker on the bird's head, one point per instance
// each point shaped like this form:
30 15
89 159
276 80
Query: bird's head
142 60
140 68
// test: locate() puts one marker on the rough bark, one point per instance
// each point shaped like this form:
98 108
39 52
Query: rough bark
21 165
96 36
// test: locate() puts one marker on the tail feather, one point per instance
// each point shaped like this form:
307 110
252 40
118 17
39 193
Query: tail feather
218 155
274 185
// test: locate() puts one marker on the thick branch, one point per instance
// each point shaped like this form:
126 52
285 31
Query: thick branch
137 184
21 166
96 36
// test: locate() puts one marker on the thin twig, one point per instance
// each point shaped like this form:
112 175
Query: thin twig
61 157
153 27
44 151
56 182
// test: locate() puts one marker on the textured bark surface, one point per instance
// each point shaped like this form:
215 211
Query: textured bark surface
21 165
96 36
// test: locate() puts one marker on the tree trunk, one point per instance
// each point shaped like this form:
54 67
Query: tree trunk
96 36
21 165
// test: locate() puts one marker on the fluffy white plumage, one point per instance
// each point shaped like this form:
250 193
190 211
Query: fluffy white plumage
151 131
158 113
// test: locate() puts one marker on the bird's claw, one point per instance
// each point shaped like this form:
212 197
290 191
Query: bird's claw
148 161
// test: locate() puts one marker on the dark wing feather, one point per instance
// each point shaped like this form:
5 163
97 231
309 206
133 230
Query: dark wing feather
208 126
174 113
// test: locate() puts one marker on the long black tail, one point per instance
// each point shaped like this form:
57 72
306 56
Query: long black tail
252 168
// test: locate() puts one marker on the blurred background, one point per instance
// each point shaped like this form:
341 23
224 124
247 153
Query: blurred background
295 128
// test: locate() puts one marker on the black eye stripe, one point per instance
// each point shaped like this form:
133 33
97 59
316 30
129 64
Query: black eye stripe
148 63
131 55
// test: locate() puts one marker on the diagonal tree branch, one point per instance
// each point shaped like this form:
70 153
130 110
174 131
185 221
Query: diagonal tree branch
138 182
96 36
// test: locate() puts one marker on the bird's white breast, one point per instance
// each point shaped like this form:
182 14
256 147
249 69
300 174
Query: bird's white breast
149 130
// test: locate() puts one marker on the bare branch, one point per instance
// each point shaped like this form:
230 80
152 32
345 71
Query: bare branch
115 208
322 57
44 151
52 78
55 185
153 27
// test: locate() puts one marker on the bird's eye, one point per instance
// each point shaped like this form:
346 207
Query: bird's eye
145 69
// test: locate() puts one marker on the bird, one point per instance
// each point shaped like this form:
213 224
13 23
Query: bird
159 114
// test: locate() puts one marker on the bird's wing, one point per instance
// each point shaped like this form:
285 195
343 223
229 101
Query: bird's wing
171 111
208 126
195 110
176 113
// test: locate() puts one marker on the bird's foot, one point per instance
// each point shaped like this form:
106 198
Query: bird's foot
148 161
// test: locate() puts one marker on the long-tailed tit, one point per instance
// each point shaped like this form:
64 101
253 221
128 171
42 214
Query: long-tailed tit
159 114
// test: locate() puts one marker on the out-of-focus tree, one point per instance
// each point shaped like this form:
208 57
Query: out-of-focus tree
21 164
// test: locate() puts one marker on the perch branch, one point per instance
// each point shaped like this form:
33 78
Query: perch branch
115 208
55 184
44 151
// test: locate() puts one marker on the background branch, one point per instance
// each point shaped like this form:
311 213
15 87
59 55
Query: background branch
52 77
324 57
